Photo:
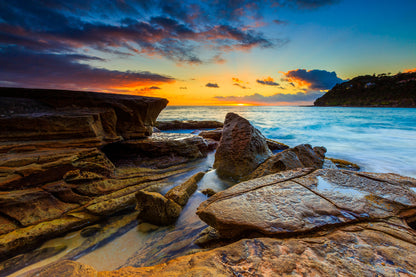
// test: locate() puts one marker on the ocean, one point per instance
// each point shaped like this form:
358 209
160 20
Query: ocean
377 139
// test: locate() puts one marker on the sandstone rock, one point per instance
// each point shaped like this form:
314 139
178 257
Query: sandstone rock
65 192
343 164
67 269
32 206
181 193
78 176
365 249
28 237
300 156
29 169
19 261
188 124
212 134
90 231
76 114
275 145
299 201
209 192
112 206
7 225
160 149
242 148
157 209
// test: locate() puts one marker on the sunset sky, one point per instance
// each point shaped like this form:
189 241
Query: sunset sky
274 52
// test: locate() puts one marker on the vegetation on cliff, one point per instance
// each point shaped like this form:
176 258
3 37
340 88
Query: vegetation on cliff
373 91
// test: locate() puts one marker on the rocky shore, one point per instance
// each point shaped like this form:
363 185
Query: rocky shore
74 160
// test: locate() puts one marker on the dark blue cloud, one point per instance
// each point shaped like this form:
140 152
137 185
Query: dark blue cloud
32 69
314 79
268 81
212 85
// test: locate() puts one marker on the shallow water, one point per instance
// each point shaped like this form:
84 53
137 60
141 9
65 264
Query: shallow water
141 245
377 139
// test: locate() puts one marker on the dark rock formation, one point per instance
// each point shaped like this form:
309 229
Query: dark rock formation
242 148
54 178
75 114
159 150
212 134
275 145
188 124
373 91
300 156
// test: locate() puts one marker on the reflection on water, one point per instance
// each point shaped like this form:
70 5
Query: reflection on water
325 186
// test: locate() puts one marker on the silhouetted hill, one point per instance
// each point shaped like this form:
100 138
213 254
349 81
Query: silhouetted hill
373 91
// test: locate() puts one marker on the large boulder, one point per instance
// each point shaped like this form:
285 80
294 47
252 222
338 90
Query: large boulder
242 148
298 157
301 201
62 114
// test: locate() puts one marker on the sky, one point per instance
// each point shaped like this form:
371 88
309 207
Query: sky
220 52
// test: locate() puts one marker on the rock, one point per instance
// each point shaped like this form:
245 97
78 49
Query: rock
27 238
66 268
157 209
242 148
160 149
112 206
212 134
366 249
77 176
275 145
30 169
298 157
65 193
188 124
90 231
299 201
343 164
17 262
181 193
209 192
60 114
32 206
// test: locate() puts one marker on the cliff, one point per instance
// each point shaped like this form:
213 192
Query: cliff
373 91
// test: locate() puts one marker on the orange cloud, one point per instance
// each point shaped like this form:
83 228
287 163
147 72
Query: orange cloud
409 70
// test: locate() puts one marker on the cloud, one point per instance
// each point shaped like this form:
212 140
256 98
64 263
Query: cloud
183 88
240 85
236 80
269 81
173 29
276 98
212 85
280 22
66 71
409 70
314 79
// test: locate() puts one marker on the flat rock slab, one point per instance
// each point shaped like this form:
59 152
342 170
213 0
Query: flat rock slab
379 249
299 201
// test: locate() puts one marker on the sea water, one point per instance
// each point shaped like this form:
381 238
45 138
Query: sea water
377 139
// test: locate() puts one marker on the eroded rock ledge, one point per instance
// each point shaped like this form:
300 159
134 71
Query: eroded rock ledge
54 176
300 222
